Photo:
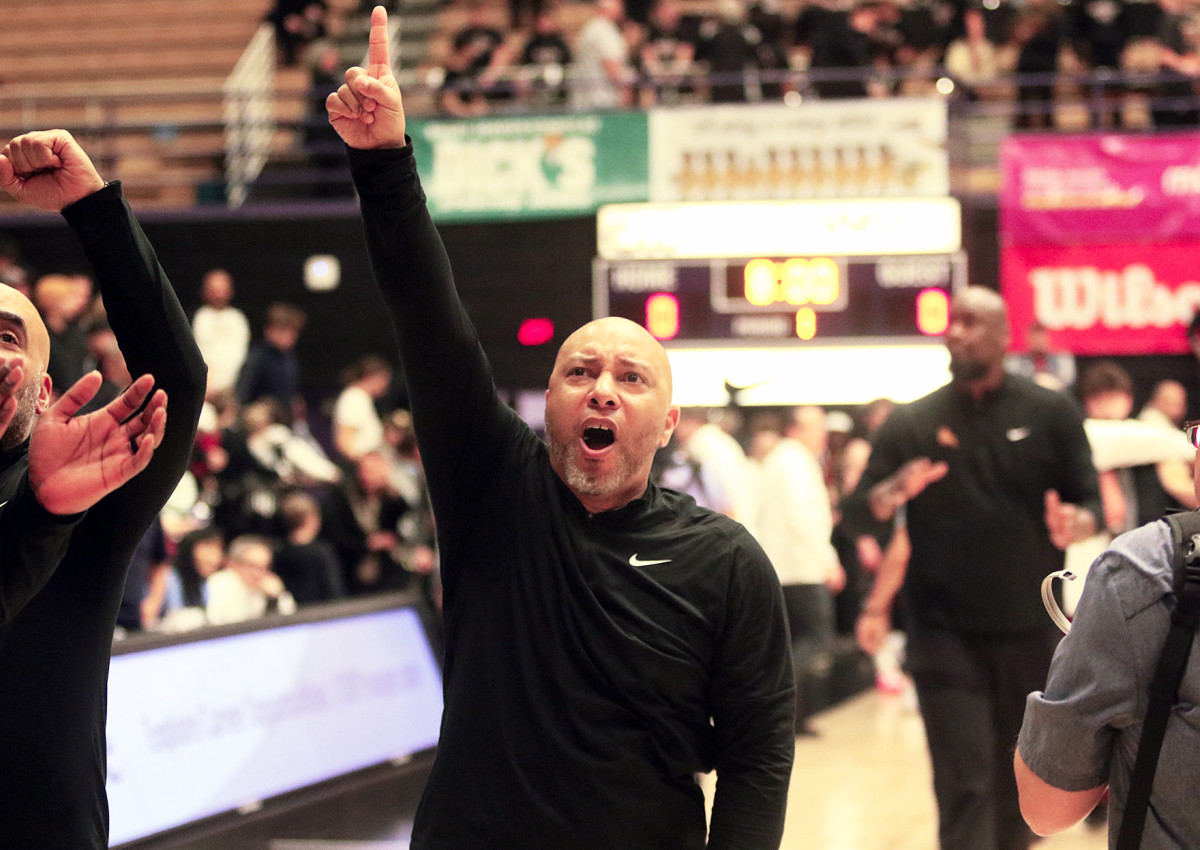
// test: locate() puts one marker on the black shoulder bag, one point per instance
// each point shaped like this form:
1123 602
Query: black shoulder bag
1164 688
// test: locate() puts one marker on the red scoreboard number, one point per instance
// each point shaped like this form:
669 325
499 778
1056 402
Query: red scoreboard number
782 298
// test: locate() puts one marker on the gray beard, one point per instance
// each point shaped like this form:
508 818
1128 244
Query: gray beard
582 482
23 420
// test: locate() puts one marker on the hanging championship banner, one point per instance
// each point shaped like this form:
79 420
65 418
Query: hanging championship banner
833 149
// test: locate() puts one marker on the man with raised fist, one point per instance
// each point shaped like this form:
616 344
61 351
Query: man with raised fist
119 464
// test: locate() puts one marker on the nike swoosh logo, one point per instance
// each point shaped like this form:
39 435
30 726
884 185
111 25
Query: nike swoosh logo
635 561
1015 434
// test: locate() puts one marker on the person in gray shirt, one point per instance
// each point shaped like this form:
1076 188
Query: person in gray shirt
1080 735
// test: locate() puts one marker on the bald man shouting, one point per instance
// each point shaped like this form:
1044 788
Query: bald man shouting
606 640
54 651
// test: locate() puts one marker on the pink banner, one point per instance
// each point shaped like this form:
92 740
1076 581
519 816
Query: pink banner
1100 188
1103 299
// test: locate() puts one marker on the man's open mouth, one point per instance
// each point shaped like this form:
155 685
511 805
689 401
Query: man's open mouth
598 438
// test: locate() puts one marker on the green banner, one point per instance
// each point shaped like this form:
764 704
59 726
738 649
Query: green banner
515 167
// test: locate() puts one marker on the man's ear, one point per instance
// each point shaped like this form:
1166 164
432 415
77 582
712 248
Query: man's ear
669 426
45 394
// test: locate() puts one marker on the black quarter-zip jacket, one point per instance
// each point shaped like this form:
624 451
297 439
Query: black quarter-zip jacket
980 546
594 663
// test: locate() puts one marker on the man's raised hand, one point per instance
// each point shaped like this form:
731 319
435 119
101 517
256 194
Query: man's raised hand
47 169
74 461
366 111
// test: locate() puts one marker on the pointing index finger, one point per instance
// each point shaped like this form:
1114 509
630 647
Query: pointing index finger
377 48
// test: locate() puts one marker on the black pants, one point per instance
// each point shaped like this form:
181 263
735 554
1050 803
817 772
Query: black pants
811 623
972 690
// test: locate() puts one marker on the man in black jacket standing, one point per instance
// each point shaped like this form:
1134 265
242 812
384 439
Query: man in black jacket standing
54 652
606 639
995 477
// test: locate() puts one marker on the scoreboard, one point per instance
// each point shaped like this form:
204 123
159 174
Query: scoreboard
782 299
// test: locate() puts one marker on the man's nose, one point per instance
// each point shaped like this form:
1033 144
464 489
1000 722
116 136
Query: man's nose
604 391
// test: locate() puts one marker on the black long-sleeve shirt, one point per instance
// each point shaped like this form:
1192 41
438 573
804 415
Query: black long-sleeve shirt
54 653
32 541
980 547
585 654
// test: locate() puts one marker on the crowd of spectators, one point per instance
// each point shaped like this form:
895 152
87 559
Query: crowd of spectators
730 51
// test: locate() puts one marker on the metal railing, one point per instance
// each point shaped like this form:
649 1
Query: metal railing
249 115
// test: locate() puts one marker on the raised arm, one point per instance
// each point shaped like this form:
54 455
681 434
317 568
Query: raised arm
49 170
450 385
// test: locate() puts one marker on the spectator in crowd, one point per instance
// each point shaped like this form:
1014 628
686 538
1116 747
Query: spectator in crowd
665 60
1040 31
357 428
263 458
544 63
1167 408
602 74
245 588
770 57
362 523
406 478
138 609
63 300
722 473
461 94
1042 363
477 75
995 472
813 19
277 448
221 331
858 448
104 356
727 52
972 60
844 51
920 36
297 23
1101 31
198 555
271 368
1106 391
478 40
1082 732
1174 103
795 527
12 270
308 566
325 68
